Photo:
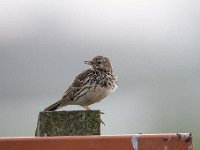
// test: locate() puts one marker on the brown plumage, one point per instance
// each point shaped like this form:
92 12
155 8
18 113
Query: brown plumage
89 87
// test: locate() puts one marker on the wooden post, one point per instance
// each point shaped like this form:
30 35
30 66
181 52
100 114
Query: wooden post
68 123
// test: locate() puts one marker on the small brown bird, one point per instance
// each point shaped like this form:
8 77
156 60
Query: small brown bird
89 87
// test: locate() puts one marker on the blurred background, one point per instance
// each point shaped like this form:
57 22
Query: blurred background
153 45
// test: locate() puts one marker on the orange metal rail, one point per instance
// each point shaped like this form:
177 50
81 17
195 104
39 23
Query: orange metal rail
118 142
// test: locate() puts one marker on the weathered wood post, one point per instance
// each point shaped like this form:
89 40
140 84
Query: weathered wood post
68 123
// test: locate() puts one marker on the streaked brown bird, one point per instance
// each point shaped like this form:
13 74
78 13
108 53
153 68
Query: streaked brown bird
91 86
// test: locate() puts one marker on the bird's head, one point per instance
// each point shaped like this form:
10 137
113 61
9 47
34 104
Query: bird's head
101 63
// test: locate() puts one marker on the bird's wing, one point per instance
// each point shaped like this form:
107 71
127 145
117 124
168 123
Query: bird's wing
73 91
77 85
82 78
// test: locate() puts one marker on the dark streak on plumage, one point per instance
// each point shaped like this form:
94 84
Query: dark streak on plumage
98 76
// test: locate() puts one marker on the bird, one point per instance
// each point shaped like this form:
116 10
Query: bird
90 86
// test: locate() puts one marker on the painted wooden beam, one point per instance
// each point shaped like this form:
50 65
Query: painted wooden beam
180 141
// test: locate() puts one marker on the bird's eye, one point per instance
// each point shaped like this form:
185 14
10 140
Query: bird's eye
98 62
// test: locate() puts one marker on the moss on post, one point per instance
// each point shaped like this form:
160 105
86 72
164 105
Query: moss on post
68 123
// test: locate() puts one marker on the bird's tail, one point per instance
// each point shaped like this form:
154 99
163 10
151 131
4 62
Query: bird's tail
54 106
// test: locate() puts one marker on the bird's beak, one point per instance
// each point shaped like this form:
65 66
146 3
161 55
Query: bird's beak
88 62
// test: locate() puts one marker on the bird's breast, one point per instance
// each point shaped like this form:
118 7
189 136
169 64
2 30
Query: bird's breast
96 88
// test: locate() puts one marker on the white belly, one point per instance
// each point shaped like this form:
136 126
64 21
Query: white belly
93 96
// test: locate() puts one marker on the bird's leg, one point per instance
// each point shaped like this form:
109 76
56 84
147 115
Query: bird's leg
88 108
102 112
102 122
